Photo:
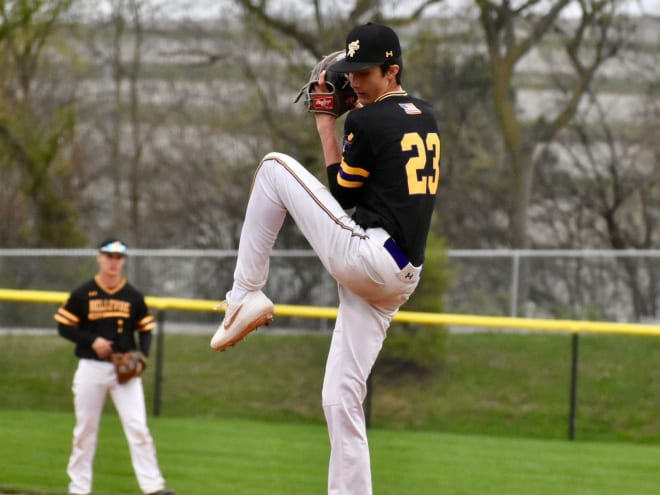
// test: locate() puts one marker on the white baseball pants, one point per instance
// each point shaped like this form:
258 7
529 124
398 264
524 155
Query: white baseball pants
91 384
372 287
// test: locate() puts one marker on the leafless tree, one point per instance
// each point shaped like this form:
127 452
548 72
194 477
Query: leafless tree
37 122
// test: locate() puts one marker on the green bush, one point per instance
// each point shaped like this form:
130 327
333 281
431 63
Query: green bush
413 349
421 348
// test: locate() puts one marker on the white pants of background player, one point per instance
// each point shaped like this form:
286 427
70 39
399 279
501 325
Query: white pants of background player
372 287
92 382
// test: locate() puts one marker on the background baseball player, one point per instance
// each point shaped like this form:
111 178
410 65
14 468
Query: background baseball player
388 171
102 317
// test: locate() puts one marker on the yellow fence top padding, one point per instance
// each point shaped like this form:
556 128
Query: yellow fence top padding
318 312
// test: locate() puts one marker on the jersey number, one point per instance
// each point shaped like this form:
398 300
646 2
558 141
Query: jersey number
418 183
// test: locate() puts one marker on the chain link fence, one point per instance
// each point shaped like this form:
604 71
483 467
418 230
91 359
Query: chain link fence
575 284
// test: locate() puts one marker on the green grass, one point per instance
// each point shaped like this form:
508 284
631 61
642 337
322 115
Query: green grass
252 457
514 385
248 421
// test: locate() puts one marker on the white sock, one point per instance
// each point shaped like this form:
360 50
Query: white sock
237 293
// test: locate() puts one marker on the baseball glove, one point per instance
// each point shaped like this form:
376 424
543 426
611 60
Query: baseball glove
127 364
340 97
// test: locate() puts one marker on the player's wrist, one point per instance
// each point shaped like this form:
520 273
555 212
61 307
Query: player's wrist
325 122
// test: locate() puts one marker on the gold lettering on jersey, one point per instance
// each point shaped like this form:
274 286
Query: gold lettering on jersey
108 308
424 151
353 47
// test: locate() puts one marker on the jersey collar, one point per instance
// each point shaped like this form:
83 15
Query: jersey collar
390 94
107 290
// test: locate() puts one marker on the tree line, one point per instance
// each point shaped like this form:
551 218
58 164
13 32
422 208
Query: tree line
132 120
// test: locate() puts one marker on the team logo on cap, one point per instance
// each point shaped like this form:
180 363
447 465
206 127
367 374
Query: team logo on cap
353 47
114 247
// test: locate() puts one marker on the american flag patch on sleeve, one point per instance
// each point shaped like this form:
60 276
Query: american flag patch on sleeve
410 108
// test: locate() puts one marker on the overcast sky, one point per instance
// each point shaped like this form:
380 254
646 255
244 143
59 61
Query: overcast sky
215 8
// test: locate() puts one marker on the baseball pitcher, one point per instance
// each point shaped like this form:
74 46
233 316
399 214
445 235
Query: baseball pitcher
386 173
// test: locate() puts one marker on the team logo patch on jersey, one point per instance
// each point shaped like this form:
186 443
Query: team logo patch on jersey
410 108
348 142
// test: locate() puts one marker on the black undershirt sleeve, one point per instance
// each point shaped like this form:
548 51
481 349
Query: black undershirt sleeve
345 196
76 335
145 342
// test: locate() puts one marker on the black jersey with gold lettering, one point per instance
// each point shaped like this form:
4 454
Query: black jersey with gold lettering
390 169
116 315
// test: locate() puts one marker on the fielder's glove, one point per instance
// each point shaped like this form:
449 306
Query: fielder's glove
127 364
340 97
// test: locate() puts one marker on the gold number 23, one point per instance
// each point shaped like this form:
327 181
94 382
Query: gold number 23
417 183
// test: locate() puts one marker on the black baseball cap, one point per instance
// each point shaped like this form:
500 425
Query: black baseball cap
368 45
112 245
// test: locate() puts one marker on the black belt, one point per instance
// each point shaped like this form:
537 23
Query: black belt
395 251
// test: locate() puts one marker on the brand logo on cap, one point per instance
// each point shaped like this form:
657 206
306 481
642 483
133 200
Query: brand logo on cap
353 47
389 53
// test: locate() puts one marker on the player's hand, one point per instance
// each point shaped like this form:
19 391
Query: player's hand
325 126
323 119
325 122
102 347
321 85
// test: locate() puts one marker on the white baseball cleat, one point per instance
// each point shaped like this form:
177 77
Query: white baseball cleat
241 318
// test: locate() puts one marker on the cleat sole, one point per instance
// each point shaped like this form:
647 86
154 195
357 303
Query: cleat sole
263 321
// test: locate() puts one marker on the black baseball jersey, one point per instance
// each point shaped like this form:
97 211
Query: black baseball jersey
116 315
390 169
